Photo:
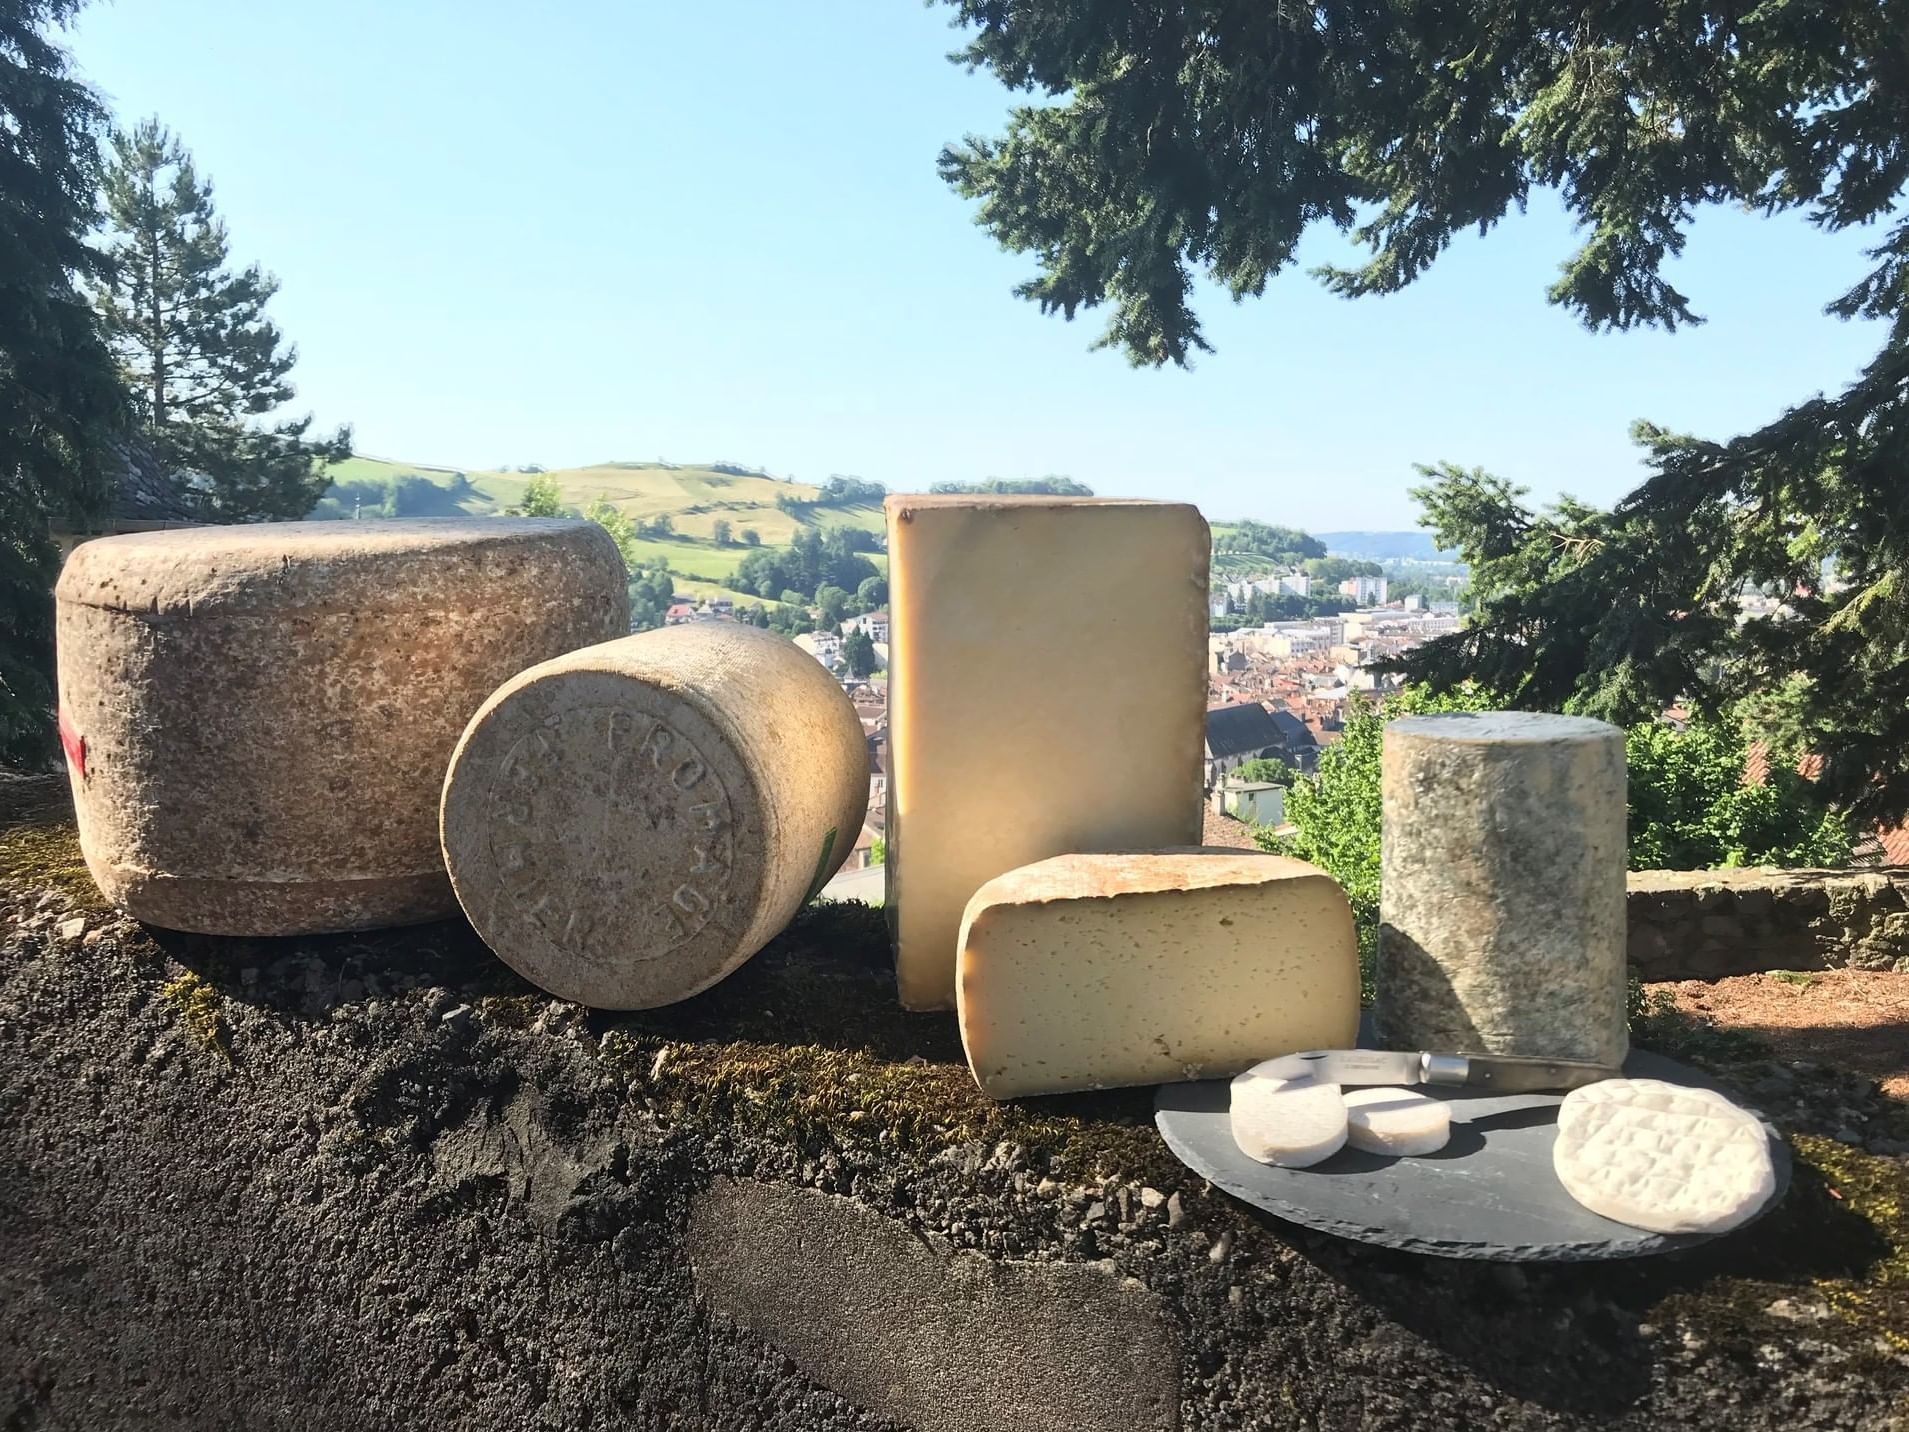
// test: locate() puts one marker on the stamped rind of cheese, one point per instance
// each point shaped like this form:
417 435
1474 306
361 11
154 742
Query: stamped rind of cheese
628 823
1663 1157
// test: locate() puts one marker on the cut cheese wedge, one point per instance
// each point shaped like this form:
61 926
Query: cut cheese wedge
1292 1123
1096 971
1396 1122
1662 1157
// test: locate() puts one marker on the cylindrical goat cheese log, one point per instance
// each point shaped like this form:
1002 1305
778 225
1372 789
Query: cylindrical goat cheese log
1097 971
627 824
1047 695
257 717
1502 853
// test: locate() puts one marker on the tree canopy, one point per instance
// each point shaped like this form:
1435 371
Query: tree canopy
202 360
810 562
1210 135
1207 135
61 405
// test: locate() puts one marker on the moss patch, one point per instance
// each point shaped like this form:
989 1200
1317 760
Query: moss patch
199 1006
1876 1191
39 848
809 1040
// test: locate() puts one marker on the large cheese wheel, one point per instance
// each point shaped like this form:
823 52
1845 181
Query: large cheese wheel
1094 971
257 717
627 824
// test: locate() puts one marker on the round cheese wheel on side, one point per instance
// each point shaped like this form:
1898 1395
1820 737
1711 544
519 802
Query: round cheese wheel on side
1397 1122
1662 1157
1293 1123
628 823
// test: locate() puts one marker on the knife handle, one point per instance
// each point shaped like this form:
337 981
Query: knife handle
1512 1074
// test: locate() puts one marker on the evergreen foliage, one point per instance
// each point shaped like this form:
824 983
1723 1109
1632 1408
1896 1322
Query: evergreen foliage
1166 139
650 592
858 652
203 362
61 405
812 561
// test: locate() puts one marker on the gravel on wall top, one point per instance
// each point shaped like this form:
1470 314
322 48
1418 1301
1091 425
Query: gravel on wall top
376 1180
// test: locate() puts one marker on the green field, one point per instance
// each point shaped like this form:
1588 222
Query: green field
694 497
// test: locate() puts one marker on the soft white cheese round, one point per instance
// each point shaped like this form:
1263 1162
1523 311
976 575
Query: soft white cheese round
1293 1123
1396 1122
1662 1157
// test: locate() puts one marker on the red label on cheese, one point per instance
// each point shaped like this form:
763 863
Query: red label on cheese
75 744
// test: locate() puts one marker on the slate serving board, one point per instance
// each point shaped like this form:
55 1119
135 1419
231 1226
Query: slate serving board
1489 1194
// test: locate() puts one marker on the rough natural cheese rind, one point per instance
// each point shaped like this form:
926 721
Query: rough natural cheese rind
1293 1123
1502 925
1096 971
1662 1157
1047 694
259 714
627 824
1397 1122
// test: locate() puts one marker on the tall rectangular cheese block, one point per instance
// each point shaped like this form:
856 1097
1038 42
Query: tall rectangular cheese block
1099 971
1047 694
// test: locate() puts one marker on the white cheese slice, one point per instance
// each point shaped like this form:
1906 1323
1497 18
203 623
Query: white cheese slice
1293 1123
1396 1122
1047 694
1096 971
1662 1157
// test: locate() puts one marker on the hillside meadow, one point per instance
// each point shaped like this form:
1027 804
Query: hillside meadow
694 497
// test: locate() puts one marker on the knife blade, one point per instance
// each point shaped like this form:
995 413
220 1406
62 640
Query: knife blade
1506 1073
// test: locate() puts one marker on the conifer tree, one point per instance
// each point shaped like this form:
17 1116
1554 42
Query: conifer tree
60 400
1211 135
203 362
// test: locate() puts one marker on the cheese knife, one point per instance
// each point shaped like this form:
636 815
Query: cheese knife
1505 1073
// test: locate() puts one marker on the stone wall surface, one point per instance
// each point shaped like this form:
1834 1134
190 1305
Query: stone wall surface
1705 924
376 1181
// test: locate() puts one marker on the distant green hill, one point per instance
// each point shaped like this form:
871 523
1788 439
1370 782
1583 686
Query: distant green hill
1384 546
695 497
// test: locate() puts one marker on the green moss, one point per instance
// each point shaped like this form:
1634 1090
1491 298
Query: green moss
199 1005
41 851
808 1040
1876 1191
1839 1242
820 1097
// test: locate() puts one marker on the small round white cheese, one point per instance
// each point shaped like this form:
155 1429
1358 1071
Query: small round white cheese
1397 1122
1291 1123
1662 1157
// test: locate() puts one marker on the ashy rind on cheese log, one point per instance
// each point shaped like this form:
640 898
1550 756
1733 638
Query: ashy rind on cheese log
1047 694
1102 970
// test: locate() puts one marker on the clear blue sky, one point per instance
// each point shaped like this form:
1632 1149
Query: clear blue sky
587 231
